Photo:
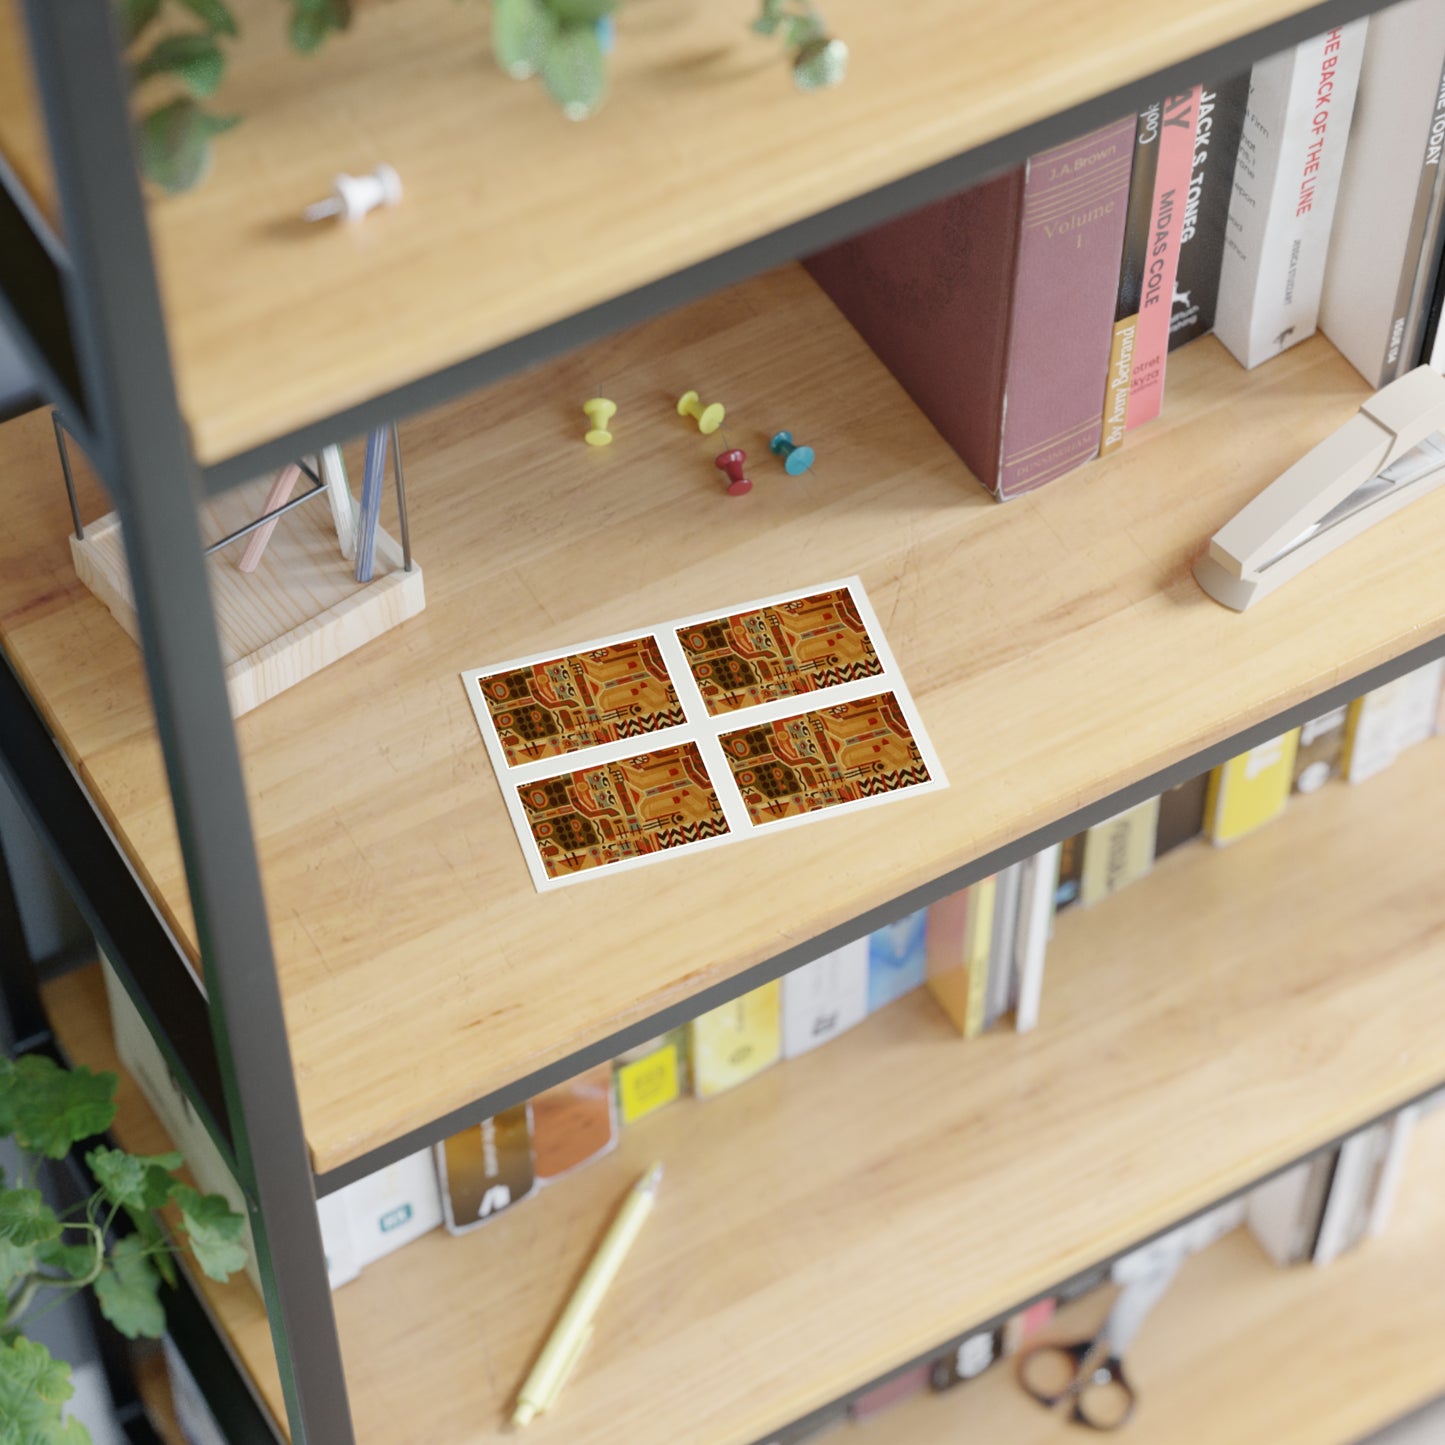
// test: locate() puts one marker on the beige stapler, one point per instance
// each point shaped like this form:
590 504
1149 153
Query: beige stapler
1390 453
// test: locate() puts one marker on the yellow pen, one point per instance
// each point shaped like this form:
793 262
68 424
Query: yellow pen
572 1331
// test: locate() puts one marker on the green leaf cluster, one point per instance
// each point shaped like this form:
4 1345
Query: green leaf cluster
48 1110
33 1391
173 137
818 59
559 40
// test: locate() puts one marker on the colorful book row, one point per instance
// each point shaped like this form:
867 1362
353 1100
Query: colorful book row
1031 317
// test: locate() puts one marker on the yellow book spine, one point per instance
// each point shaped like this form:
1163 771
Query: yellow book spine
1116 396
1251 790
734 1042
980 940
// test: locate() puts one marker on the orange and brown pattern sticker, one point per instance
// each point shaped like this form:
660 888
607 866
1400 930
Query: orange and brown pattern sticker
547 709
821 759
780 651
595 817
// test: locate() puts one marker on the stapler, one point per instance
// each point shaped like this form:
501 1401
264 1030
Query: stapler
1391 452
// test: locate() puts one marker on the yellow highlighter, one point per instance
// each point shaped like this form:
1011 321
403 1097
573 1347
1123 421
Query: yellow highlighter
573 1330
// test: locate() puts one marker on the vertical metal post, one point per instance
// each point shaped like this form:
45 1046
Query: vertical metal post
19 972
144 454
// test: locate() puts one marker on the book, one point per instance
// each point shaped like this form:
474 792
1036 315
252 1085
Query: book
1388 189
486 1169
737 1040
1002 977
573 1123
1251 790
1342 1223
1038 889
650 1076
1181 814
993 307
891 1392
1118 851
1386 720
897 959
1133 259
1284 1213
825 998
1321 750
1206 209
1286 180
960 939
395 1205
1071 869
1399 1131
1177 125
1023 1324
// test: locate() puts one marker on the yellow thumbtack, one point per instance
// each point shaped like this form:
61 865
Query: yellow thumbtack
709 418
599 411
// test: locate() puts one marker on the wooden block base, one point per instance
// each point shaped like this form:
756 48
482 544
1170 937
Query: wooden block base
300 610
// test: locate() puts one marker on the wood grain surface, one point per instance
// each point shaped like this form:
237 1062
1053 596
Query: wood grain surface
1057 647
514 217
849 1210
1243 1351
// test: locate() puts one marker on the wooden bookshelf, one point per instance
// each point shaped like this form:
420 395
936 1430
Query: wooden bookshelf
23 146
848 1211
703 145
1243 1351
1057 647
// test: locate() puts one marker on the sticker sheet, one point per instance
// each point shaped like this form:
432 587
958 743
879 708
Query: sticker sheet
703 731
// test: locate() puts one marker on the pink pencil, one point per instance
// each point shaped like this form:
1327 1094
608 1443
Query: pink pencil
281 490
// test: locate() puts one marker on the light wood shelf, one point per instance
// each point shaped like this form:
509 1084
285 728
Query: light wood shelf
1057 648
1240 1350
22 129
847 1211
514 217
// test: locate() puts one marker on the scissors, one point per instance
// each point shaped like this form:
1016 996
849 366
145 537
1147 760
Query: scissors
1089 1374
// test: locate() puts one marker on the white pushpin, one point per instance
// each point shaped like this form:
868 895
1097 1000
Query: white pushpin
353 196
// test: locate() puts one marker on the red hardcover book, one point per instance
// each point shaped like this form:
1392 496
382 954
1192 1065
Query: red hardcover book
995 307
1171 193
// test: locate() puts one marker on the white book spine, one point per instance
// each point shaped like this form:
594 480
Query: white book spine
1002 945
1286 182
1387 190
825 998
1352 1175
1387 1186
1036 918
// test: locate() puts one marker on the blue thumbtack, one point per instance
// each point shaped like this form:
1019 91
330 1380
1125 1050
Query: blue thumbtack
796 460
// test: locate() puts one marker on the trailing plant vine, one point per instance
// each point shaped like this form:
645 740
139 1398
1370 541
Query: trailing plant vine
45 1256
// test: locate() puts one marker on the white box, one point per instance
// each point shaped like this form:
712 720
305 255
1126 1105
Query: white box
825 998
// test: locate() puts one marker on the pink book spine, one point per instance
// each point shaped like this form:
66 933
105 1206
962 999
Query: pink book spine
1171 191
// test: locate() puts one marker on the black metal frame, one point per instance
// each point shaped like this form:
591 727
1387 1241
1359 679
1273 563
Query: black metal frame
88 316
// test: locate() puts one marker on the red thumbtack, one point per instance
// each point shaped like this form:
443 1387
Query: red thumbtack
731 462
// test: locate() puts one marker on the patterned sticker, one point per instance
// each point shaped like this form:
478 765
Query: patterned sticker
780 651
821 759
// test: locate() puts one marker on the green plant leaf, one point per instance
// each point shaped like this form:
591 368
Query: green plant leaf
51 1108
214 1229
522 30
16 1261
215 15
313 20
135 15
157 1242
803 30
820 63
134 1180
580 12
128 1290
769 17
33 1390
74 1261
25 1218
175 145
574 70
195 60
